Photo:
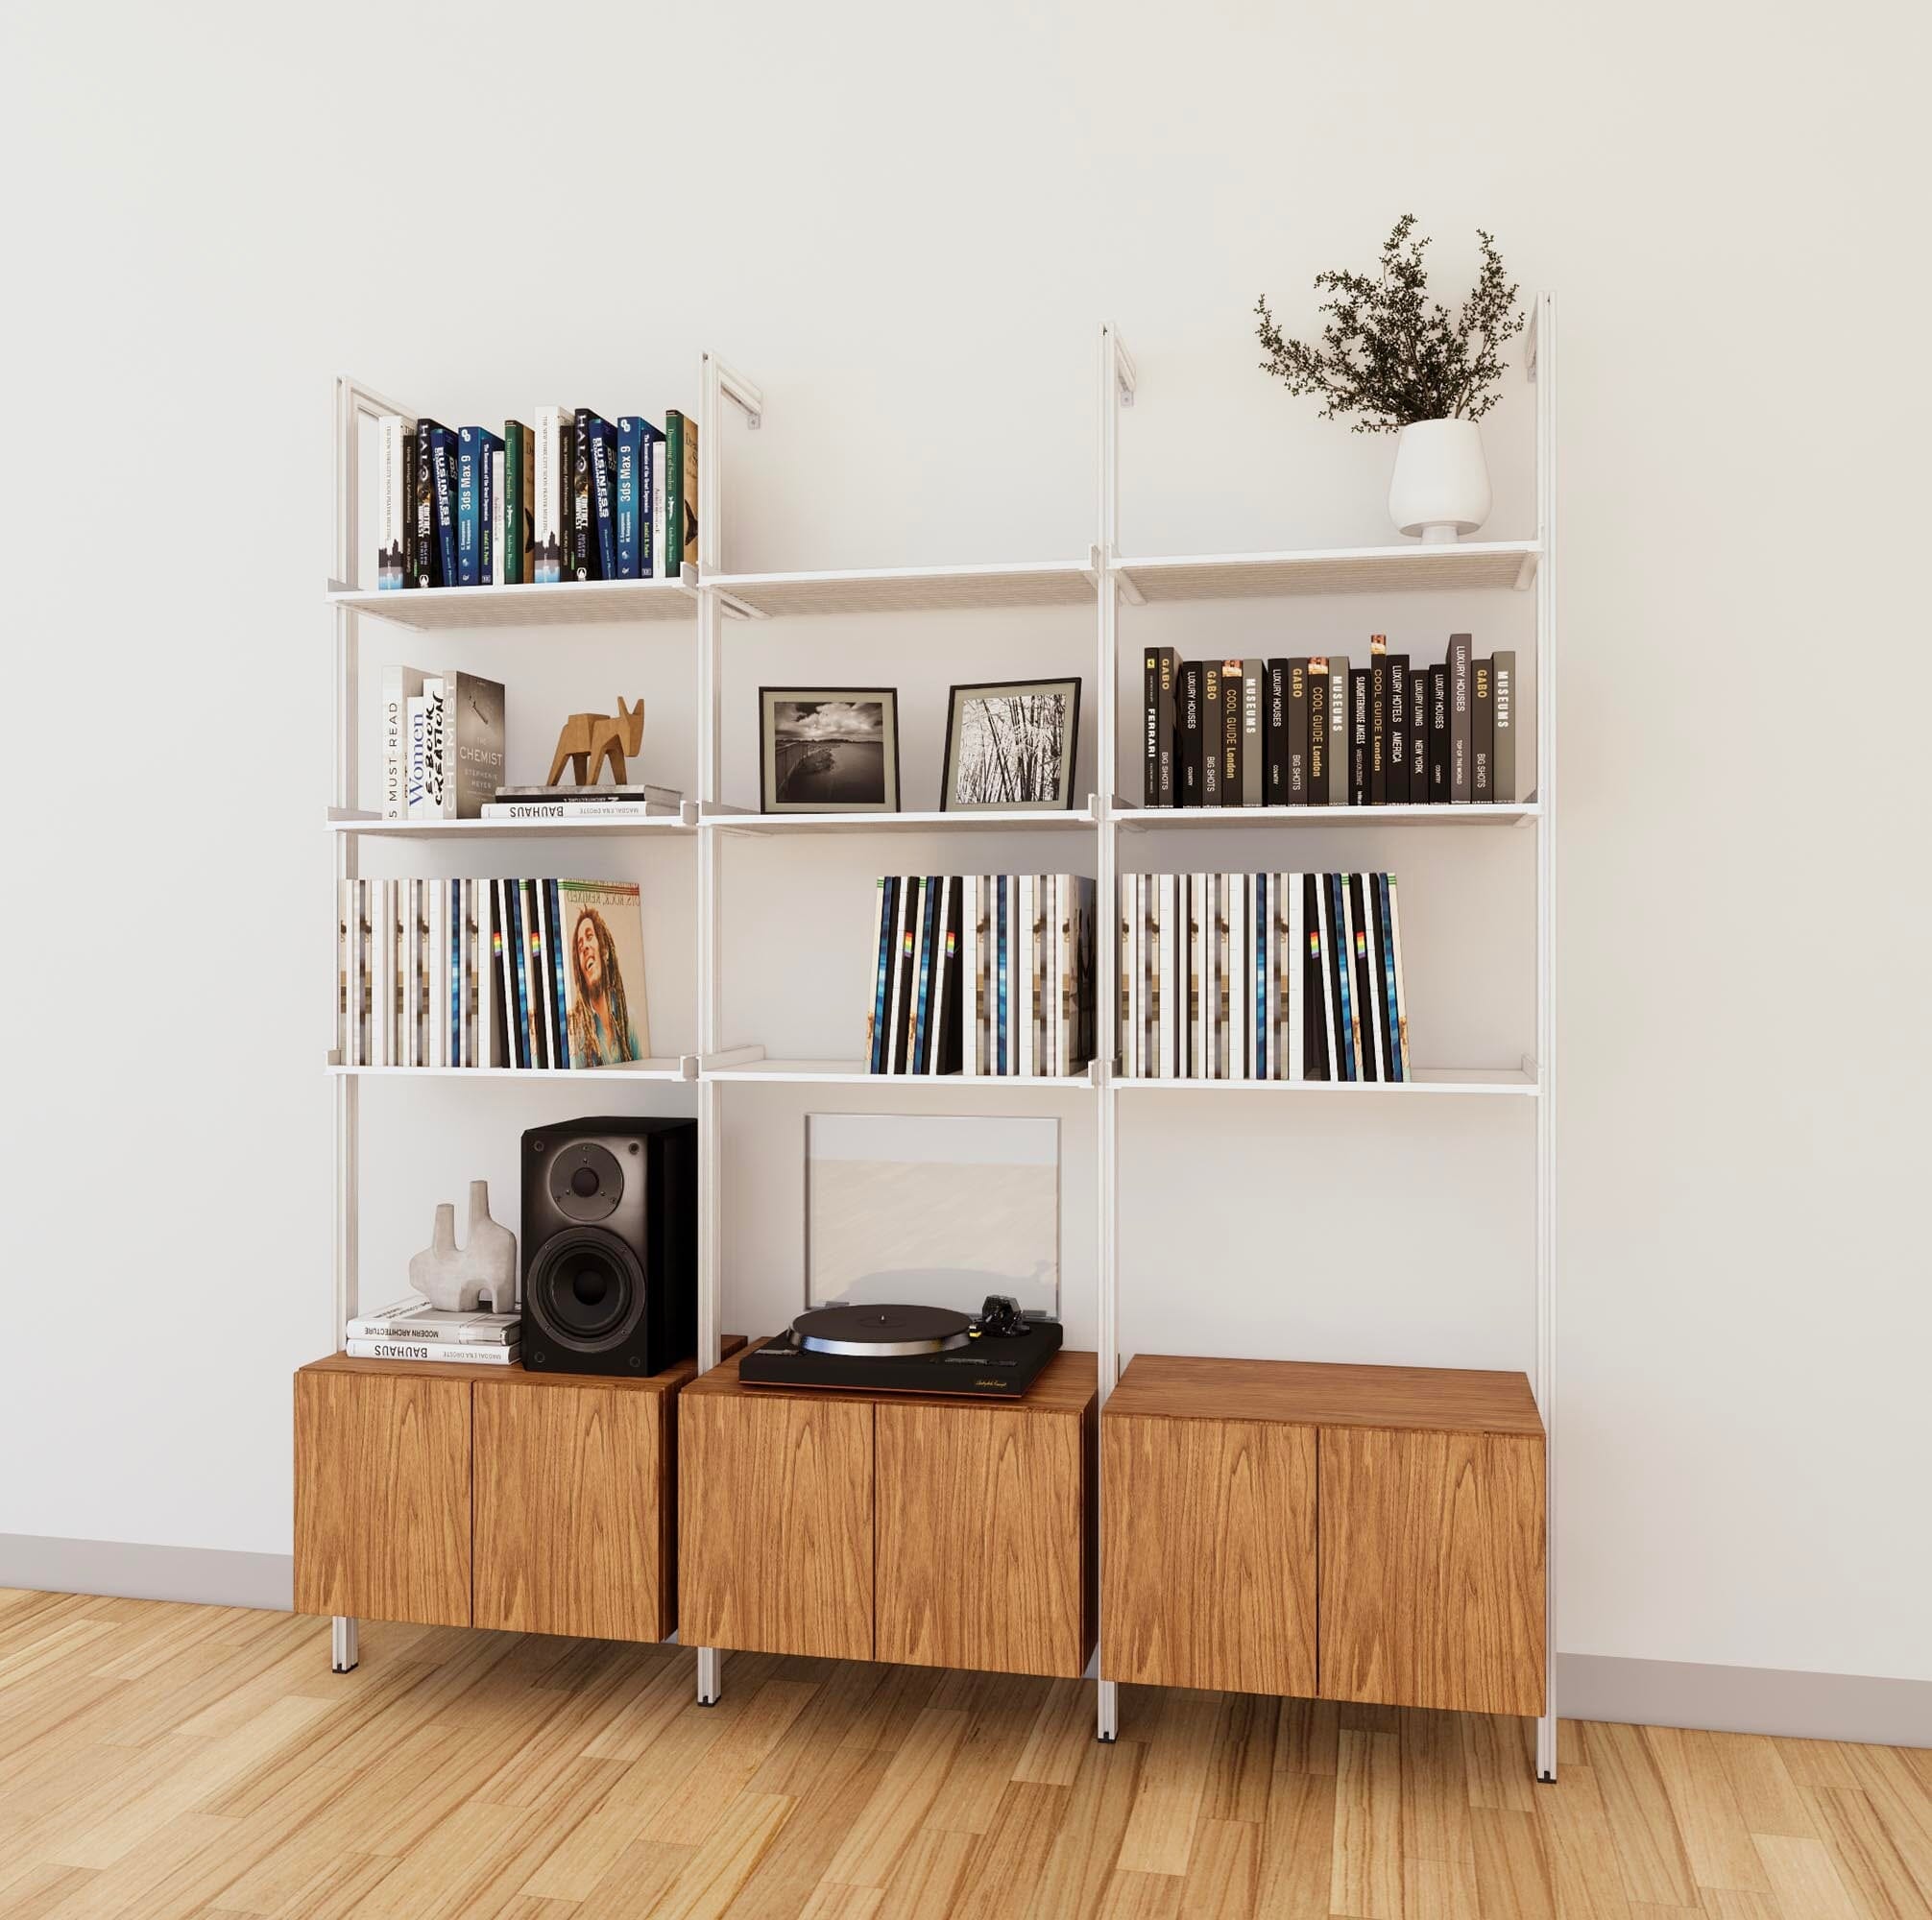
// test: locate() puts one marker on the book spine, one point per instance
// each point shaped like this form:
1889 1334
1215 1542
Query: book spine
424 1350
430 1332
469 547
489 508
549 494
1401 991
1025 1014
1294 978
1438 735
1348 1066
1362 985
1230 732
1169 727
1275 731
1150 722
1460 718
513 570
496 528
393 492
1395 1047
968 975
653 527
1295 721
583 518
1482 732
1317 730
1503 755
1165 998
443 483
1419 737
559 981
1337 730
1357 737
1398 730
929 891
428 549
1211 704
1253 733
681 507
686 549
1378 721
1263 979
603 497
1315 1014
1188 731
875 1014
947 1050
627 496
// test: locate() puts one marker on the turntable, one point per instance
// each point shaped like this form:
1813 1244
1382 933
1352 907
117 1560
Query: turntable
997 1352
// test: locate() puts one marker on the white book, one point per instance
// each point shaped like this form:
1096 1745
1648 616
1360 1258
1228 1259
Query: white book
1169 976
359 946
1066 972
345 909
1210 981
662 566
1137 981
399 686
1196 891
1295 953
1401 992
549 493
455 1351
1240 972
1009 1039
495 575
409 1026
1124 952
392 493
382 972
444 975
969 977
414 1319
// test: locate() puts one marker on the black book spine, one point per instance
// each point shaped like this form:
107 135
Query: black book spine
1164 718
1295 721
1275 792
1314 999
428 554
1419 735
1482 731
1189 717
1230 732
1210 733
1364 977
1150 714
1438 735
1317 730
583 516
1459 719
1378 722
946 1046
1503 755
1357 737
1398 730
409 468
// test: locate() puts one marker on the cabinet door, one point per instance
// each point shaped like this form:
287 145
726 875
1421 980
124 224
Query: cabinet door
1432 1570
573 1511
1209 1566
382 1497
775 1524
982 1546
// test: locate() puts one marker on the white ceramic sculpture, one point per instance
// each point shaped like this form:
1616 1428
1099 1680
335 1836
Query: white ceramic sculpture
456 1280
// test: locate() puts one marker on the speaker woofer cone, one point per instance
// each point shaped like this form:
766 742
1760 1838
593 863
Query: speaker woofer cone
586 1291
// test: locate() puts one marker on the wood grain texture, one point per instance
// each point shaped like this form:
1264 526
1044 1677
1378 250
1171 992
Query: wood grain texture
774 1535
983 1537
1310 1393
1208 1557
179 1762
1432 1569
382 1497
573 1511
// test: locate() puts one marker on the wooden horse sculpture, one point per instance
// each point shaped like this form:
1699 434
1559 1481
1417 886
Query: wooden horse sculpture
587 740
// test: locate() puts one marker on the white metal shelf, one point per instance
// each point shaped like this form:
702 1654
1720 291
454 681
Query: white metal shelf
907 590
1427 1080
853 1073
1147 819
679 1069
562 602
979 819
1466 565
464 831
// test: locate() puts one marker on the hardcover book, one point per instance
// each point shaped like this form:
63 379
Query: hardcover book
681 493
1378 721
604 494
1419 735
429 547
1398 730
1338 731
551 494
473 446
592 431
442 485
1231 681
1438 735
400 685
1460 719
1211 733
639 450
1502 757
602 927
1357 737
1189 718
517 550
1253 743
395 493
1482 731
1317 730
1294 753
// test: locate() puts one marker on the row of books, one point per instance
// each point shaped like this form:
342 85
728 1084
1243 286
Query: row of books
1262 976
578 498
443 744
1316 731
413 1330
981 974
489 972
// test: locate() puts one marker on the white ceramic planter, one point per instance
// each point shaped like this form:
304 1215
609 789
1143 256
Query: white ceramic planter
1440 488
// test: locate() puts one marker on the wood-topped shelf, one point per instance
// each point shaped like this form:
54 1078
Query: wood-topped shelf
1312 1393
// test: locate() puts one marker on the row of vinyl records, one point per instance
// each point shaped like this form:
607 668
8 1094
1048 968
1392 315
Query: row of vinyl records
1316 731
579 497
473 973
981 974
1262 976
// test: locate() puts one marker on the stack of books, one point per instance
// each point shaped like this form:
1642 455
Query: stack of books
639 801
578 498
1262 976
1314 731
981 974
489 972
413 1330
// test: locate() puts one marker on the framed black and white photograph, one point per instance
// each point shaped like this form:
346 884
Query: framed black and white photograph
827 749
1011 744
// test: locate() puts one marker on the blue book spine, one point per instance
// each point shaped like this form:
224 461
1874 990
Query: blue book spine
627 498
443 484
1000 961
929 917
887 919
604 495
1380 882
469 498
558 992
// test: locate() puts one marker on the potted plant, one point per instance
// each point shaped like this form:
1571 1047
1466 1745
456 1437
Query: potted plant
1402 363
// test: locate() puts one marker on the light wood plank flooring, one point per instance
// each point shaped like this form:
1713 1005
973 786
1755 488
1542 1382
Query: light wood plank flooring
164 1761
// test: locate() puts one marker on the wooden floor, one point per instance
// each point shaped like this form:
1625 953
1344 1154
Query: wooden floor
171 1761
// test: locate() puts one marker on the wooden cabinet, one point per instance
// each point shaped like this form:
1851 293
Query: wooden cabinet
486 1497
1353 1533
892 1526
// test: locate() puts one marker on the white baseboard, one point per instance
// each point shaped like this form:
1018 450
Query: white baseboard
132 1570
1745 1699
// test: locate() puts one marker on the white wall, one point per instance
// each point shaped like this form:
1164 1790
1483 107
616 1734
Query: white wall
906 228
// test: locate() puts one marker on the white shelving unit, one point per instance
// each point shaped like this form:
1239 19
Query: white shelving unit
1104 578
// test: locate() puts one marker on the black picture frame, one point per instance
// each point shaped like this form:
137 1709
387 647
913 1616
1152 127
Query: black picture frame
885 697
1067 684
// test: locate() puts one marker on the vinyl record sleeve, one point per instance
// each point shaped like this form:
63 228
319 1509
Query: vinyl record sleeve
603 929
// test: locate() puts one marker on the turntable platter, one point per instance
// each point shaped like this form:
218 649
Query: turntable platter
880 1331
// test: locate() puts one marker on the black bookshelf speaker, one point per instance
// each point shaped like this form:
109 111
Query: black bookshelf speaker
610 1246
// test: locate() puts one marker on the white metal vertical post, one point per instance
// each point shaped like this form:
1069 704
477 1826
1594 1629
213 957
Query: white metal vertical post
717 383
1542 362
1116 391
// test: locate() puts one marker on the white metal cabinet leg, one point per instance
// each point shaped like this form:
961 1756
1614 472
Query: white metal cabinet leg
1107 1717
1546 1749
343 1650
711 1676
